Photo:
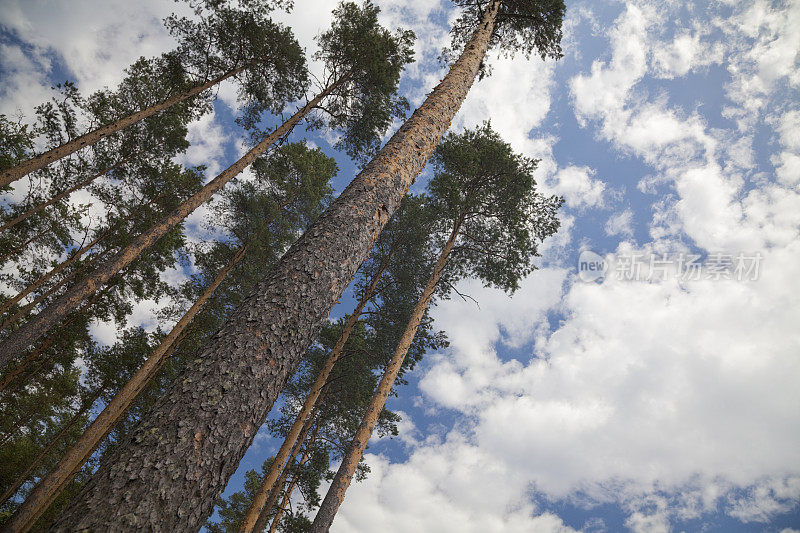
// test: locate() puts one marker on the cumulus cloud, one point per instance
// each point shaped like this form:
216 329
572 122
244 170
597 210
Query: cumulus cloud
578 187
620 224
670 399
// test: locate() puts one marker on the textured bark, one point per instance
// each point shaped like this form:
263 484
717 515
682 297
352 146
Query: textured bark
73 460
50 445
40 324
32 211
263 517
40 161
268 483
182 454
335 495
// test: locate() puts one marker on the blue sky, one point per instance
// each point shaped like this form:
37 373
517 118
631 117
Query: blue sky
658 403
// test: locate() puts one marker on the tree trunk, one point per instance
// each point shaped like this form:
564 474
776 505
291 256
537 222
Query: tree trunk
40 161
46 277
50 445
263 516
25 309
287 496
17 370
181 456
335 495
269 480
46 344
39 325
70 464
19 218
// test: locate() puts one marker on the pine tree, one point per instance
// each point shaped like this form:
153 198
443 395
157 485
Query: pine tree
355 76
226 43
490 221
398 252
293 190
242 370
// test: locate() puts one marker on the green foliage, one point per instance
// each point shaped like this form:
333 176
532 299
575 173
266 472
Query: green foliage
232 510
522 26
487 193
369 58
406 252
16 142
225 39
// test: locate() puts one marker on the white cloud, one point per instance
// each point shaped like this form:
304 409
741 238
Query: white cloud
647 395
577 186
451 486
620 224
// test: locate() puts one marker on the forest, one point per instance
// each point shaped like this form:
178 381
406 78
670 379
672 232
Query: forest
146 433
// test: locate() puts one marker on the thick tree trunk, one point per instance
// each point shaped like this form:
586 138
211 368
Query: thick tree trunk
40 161
50 445
253 513
32 211
73 460
181 456
263 517
335 495
39 325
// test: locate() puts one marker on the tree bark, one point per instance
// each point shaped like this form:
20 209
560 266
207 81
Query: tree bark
50 445
73 460
40 324
32 211
254 512
181 456
40 161
335 495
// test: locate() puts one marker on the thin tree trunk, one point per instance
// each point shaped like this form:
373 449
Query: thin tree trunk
46 344
25 309
71 462
287 496
9 377
19 218
335 495
182 454
40 161
39 325
263 517
268 483
50 445
72 258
